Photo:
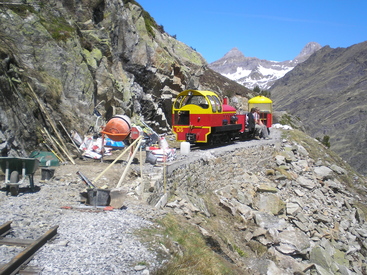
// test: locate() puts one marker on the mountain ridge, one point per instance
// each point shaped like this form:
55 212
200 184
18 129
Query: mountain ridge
327 92
252 71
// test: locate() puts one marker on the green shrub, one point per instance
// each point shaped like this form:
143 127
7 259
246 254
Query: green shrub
325 141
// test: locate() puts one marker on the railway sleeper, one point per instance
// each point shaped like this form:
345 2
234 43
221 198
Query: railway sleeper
17 265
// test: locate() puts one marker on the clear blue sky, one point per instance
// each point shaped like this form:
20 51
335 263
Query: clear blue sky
267 29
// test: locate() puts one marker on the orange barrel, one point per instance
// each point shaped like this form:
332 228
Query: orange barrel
117 128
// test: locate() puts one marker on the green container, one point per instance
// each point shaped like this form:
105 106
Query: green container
46 158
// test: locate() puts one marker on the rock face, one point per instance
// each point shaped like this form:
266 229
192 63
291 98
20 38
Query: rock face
327 92
252 71
289 206
76 55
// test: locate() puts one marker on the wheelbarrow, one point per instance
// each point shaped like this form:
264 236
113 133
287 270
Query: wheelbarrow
16 169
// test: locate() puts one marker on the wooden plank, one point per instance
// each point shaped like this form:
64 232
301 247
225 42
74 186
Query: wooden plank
28 270
16 242
44 111
5 228
23 256
47 137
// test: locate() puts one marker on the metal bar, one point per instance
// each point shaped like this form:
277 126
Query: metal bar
30 270
23 256
7 172
66 131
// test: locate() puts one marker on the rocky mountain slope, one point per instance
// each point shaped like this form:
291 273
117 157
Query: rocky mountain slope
328 93
252 71
287 200
71 56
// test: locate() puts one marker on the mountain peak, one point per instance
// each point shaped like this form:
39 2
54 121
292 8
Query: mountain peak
234 53
251 71
309 49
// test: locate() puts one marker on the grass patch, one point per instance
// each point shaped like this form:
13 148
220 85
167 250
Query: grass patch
150 23
240 251
290 120
58 27
21 10
284 172
188 249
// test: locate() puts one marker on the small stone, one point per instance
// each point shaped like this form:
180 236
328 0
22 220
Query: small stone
139 267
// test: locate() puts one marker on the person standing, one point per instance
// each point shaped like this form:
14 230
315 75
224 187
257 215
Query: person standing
250 121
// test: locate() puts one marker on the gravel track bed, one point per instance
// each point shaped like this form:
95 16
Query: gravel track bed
89 240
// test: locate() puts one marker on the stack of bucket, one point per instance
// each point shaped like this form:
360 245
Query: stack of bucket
185 148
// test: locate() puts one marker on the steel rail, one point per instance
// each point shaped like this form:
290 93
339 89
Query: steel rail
16 263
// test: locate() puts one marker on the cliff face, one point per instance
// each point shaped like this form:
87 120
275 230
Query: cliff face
328 93
77 54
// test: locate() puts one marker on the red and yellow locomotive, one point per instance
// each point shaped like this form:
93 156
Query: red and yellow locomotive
201 117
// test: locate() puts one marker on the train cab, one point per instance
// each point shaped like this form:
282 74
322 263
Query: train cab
200 117
266 108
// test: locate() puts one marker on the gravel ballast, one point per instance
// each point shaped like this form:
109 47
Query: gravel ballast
89 240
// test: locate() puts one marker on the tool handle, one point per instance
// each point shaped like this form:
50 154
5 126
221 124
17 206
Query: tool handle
87 181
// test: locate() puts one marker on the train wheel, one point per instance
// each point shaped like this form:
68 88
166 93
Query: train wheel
210 140
216 140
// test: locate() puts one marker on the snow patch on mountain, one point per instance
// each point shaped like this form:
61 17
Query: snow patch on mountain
251 71
275 72
240 73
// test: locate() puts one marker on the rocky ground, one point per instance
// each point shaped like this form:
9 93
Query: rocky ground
90 240
292 205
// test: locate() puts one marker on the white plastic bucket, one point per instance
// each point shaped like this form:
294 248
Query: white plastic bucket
185 148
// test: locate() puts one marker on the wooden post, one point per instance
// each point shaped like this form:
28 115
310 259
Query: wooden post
44 111
120 156
128 164
46 135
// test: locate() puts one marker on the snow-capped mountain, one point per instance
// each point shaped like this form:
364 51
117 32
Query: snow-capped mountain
252 71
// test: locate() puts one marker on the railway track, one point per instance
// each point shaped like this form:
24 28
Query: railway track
17 265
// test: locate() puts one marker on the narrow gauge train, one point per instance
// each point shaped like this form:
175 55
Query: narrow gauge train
201 117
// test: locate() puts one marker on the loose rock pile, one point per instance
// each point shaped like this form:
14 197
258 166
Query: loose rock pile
296 208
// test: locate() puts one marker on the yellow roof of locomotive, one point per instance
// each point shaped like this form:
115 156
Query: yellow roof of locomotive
197 92
194 108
